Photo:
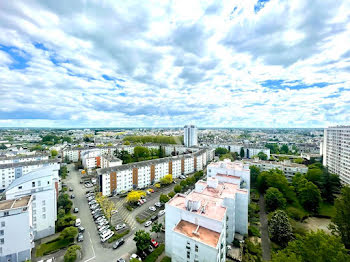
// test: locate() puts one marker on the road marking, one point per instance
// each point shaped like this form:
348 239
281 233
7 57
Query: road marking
93 250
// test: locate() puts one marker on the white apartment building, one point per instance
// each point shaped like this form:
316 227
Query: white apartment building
16 232
249 151
336 151
190 135
289 169
12 171
110 161
42 184
26 158
142 174
198 226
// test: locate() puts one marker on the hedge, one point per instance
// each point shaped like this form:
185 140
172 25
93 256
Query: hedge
155 254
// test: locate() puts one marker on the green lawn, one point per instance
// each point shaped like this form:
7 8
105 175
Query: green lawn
327 209
52 246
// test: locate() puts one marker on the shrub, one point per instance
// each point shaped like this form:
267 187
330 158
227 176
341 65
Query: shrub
71 254
253 231
155 254
171 194
116 236
295 213
166 259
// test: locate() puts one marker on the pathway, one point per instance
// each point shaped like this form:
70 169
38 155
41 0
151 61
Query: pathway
265 240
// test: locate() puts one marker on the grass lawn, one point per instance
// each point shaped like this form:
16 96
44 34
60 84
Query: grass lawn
327 209
52 246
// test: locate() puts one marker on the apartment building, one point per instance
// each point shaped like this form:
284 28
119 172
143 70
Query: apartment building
190 136
25 158
249 150
16 235
336 151
142 174
289 169
10 172
198 225
42 185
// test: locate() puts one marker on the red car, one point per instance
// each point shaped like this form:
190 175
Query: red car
154 243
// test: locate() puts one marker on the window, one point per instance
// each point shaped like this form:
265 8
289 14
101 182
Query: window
44 202
20 187
2 223
1 232
33 184
39 183
2 241
44 216
6 213
44 209
188 254
196 248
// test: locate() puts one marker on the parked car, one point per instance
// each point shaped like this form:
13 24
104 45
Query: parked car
154 243
118 243
105 227
71 189
102 223
154 218
158 204
134 256
182 177
114 212
152 208
121 260
94 206
81 229
161 212
148 223
77 222
76 210
150 249
80 237
72 196
97 210
99 219
120 226
97 215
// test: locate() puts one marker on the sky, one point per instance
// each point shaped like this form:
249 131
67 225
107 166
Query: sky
250 63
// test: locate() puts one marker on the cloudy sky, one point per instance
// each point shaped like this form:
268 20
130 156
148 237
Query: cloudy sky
238 63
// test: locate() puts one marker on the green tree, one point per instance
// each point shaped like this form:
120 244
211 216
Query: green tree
280 228
274 199
262 156
69 233
313 247
86 139
64 202
241 153
183 183
254 173
177 188
341 220
284 149
274 149
54 153
167 179
67 139
330 184
163 198
298 160
71 253
314 175
310 197
141 152
127 143
171 194
220 151
142 240
161 152
156 228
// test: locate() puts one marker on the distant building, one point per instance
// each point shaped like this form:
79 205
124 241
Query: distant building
249 150
42 184
336 151
289 169
16 236
199 225
190 135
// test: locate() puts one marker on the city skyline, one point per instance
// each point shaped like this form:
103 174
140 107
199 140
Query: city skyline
258 64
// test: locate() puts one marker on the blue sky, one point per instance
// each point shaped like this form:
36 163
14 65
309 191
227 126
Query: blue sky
148 63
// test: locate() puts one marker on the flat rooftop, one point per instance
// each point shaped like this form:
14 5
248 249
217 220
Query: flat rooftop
14 203
204 235
237 165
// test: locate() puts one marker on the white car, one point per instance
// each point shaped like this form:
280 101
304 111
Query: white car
114 212
120 226
134 256
158 204
161 212
148 223
152 208
103 228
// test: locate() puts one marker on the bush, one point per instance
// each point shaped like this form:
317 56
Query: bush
52 246
236 243
166 259
274 199
155 254
71 254
295 213
253 231
116 236
171 194
177 188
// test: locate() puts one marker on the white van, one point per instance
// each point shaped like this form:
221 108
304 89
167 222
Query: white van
106 237
105 232
77 222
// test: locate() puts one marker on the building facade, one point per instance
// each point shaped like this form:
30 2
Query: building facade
142 174
190 135
336 151
198 225
42 184
16 232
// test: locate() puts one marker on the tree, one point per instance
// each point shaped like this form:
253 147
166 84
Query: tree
262 156
71 253
241 153
284 149
313 247
127 143
67 139
310 197
86 139
163 198
167 179
177 188
161 152
274 199
64 202
171 194
142 240
279 228
220 151
69 233
124 156
227 156
330 184
54 153
314 175
198 175
156 228
274 149
254 173
341 220
106 205
298 160
183 183
2 146
135 195
141 152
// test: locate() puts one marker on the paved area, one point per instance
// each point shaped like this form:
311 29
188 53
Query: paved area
265 240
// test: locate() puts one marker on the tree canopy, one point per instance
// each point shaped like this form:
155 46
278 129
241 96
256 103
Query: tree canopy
280 228
135 195
274 199
142 239
155 139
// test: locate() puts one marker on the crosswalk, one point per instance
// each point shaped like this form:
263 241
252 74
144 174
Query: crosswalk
124 214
